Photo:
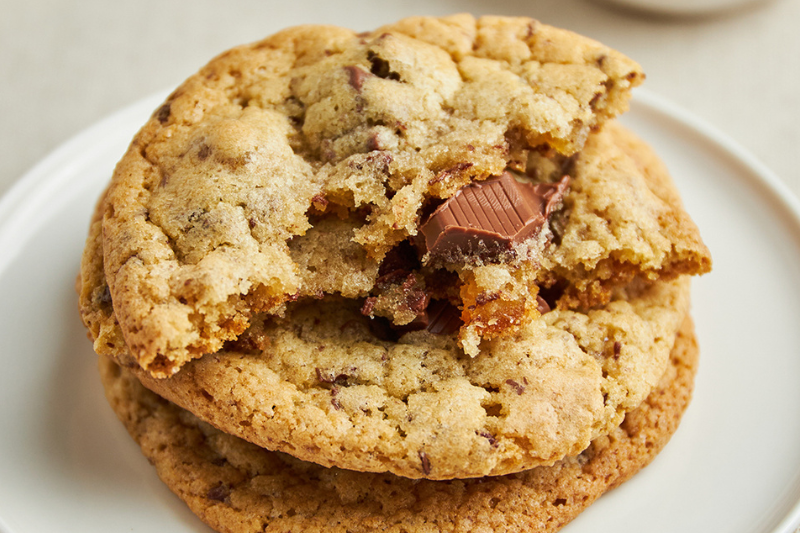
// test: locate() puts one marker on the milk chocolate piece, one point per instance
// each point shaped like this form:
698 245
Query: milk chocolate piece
486 219
541 305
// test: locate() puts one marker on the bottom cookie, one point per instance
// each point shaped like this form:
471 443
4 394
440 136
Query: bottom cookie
235 486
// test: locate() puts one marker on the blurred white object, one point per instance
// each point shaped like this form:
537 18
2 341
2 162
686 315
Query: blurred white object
682 7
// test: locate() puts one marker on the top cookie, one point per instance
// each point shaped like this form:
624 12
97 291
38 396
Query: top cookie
319 121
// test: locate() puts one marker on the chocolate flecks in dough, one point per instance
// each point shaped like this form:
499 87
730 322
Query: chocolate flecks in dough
488 436
484 298
519 389
319 202
447 173
334 400
325 376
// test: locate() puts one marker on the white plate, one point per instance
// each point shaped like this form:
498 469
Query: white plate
66 463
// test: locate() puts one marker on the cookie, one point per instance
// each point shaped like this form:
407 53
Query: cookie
320 126
235 486
327 384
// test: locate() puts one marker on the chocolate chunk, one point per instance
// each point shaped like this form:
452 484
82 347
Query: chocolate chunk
443 318
416 299
219 493
486 219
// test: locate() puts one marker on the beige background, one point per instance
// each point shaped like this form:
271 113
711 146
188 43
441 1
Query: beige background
66 64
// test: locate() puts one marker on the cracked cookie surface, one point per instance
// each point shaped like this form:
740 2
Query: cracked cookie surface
235 486
315 120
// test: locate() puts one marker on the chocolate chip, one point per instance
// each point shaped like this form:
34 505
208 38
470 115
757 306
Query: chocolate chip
162 115
204 152
417 300
357 76
488 436
617 348
220 493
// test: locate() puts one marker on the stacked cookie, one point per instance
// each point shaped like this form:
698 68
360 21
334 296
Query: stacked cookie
416 278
